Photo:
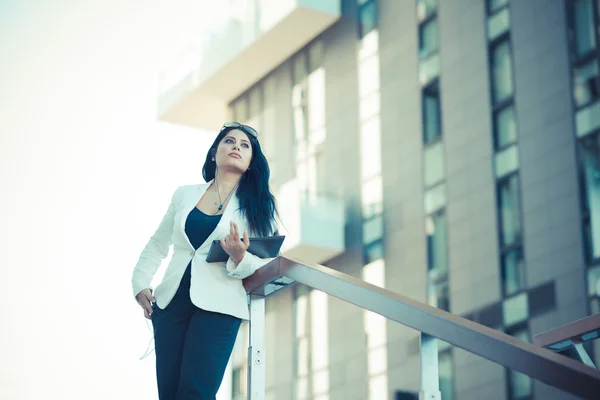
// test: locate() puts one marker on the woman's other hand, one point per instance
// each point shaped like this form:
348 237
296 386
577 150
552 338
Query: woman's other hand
145 300
232 244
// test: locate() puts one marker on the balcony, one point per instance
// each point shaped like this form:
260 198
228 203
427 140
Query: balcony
314 225
256 37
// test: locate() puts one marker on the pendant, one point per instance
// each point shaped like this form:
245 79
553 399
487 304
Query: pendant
220 207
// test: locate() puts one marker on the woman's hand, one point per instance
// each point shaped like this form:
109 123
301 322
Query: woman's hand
232 244
144 299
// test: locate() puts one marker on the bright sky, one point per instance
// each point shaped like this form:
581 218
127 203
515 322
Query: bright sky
86 173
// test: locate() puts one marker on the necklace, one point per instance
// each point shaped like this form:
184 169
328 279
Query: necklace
221 202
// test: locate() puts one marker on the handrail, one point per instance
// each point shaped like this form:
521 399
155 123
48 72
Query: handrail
579 331
574 335
551 368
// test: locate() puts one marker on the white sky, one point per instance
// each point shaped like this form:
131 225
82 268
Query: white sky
86 173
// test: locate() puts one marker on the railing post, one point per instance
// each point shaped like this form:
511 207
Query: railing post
583 355
430 383
256 350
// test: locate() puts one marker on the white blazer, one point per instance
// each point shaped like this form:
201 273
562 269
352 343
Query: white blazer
214 286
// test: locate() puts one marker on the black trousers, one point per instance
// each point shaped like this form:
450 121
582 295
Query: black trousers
192 347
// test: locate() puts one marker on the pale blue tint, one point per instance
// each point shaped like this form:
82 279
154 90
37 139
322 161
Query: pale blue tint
507 161
446 374
437 253
505 127
590 154
510 210
431 114
373 229
584 78
587 120
438 295
429 68
498 24
594 281
433 157
497 4
584 30
521 386
502 79
435 198
428 38
367 15
515 309
373 252
513 271
426 8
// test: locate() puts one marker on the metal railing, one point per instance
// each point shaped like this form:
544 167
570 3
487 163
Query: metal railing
538 363
573 335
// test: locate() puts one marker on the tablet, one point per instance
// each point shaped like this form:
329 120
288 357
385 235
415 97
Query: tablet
263 247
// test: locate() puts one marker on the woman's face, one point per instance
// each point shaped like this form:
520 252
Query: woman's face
234 151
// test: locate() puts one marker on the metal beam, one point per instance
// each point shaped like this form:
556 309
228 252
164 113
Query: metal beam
579 331
551 368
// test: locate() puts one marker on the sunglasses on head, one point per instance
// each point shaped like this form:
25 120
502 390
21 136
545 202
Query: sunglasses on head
236 125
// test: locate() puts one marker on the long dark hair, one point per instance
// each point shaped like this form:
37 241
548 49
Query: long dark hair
257 203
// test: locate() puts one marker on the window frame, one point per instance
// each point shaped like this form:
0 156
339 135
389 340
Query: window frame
511 330
575 59
429 87
493 45
585 211
496 110
490 12
362 6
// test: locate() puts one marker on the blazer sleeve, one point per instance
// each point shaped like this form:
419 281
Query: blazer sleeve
155 250
249 264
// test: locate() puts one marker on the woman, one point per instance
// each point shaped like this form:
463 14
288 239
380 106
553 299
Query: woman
197 309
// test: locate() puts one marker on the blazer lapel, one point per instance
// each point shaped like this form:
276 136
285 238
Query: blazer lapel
222 227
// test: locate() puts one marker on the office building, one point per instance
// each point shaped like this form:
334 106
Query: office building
445 150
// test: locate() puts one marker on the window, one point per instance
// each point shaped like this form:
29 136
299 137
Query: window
498 24
367 17
425 8
583 30
495 5
437 257
438 295
373 252
586 85
502 81
512 271
431 113
520 387
507 161
373 229
434 164
428 38
505 127
590 157
510 210
435 198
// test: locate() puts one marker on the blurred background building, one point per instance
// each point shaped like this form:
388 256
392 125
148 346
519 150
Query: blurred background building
446 150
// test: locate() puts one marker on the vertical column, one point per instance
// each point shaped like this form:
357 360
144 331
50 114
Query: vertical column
430 386
256 350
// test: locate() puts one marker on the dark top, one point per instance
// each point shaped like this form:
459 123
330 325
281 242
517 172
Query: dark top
198 227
